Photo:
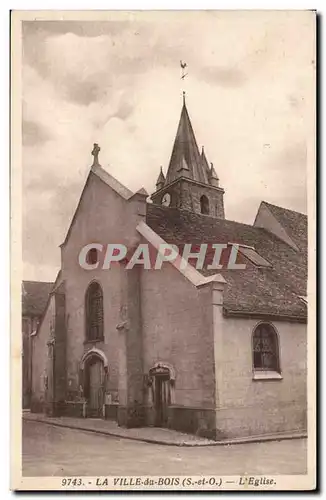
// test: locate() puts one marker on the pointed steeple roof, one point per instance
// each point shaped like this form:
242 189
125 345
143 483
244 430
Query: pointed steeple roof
204 161
160 180
185 153
213 173
213 178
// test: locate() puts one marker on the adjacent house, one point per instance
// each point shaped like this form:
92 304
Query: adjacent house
35 295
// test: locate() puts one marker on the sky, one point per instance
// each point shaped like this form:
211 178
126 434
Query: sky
117 82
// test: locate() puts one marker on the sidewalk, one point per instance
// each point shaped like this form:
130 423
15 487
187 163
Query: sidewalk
152 435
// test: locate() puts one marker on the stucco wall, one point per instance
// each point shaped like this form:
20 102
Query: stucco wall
103 217
40 358
76 341
29 325
247 406
177 329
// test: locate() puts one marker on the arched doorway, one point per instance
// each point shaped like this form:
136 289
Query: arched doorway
162 380
94 373
94 386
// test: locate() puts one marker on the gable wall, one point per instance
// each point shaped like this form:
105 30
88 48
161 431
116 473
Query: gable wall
103 217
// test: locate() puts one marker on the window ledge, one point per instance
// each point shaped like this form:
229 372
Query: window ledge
95 341
267 375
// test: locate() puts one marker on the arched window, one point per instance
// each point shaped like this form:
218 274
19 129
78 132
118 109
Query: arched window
94 312
204 205
265 348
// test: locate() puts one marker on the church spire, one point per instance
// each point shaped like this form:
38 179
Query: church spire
185 155
190 183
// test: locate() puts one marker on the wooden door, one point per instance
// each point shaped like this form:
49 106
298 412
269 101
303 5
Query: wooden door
96 388
162 401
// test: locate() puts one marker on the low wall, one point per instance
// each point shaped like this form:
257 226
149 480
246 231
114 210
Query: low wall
131 416
199 421
111 412
37 406
74 409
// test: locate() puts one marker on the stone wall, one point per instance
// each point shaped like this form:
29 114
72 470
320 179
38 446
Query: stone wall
186 194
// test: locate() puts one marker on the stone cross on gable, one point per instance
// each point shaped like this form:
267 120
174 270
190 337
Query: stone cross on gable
95 153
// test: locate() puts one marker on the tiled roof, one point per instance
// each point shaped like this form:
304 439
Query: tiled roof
35 295
256 290
294 223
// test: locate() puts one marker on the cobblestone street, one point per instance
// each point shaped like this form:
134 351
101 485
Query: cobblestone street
54 451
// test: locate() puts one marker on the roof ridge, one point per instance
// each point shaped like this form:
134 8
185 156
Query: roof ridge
283 208
203 217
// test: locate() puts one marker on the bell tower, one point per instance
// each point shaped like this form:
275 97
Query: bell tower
190 183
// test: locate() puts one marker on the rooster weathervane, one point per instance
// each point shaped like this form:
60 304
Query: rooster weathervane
183 70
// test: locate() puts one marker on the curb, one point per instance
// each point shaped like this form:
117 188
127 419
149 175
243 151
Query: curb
119 436
225 442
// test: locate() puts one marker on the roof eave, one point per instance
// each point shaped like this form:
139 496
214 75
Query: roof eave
187 179
232 313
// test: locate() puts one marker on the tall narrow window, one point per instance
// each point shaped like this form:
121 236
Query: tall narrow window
204 205
94 312
265 348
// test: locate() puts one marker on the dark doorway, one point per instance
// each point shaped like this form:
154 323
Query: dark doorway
162 395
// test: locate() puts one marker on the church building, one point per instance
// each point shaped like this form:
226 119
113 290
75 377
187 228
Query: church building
221 353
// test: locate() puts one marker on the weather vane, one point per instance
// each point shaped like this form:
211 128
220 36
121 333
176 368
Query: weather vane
183 70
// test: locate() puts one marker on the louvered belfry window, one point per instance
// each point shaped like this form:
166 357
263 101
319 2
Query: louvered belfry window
265 348
94 312
204 205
